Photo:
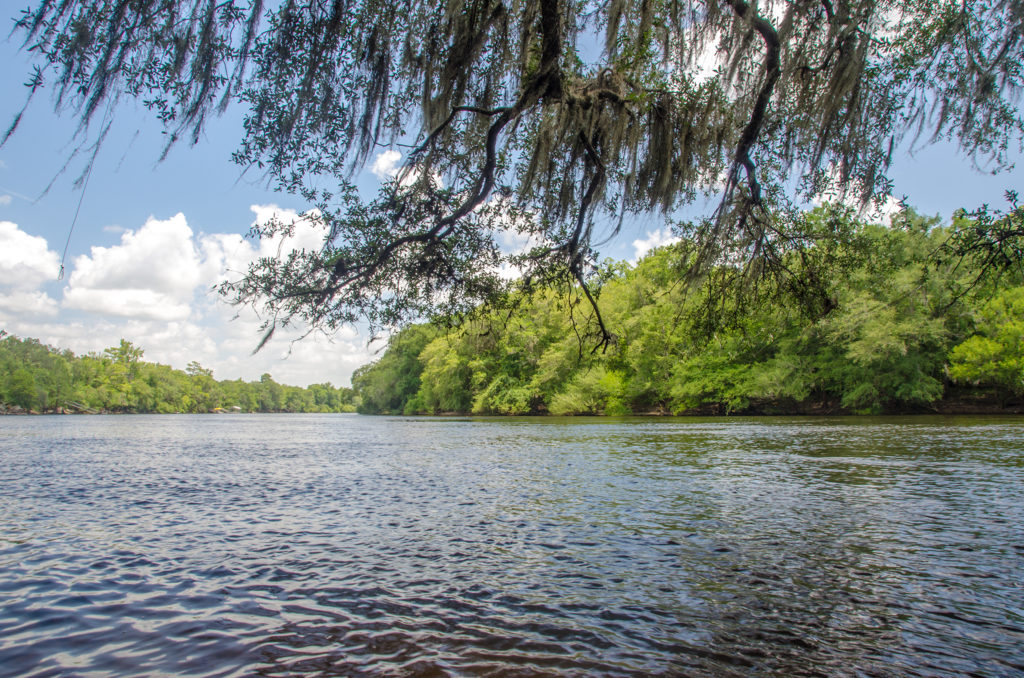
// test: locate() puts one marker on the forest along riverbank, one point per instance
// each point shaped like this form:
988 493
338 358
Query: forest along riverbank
35 377
957 404
191 546
890 329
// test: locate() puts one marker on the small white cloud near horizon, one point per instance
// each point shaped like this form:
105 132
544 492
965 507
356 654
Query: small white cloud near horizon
386 165
656 238
877 213
881 212
26 263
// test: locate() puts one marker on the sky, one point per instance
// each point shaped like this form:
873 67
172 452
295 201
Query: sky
152 237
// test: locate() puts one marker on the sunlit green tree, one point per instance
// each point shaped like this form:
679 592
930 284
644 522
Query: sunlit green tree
995 355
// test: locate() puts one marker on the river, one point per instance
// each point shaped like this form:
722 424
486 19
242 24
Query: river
279 545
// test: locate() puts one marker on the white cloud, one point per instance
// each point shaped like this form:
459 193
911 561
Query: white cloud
877 211
127 303
386 164
26 263
156 272
308 231
654 239
154 289
228 255
5 200
889 208
25 260
153 273
31 303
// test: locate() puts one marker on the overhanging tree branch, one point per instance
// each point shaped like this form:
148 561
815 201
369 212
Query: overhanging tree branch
498 94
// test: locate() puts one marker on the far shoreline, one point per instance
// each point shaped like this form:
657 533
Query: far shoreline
979 405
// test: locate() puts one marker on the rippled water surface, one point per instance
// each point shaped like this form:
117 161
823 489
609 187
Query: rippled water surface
342 545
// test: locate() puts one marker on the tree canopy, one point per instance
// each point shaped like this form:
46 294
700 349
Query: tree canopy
906 334
37 377
543 118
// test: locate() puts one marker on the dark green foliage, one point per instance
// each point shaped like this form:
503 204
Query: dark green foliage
21 389
386 385
988 242
886 324
41 378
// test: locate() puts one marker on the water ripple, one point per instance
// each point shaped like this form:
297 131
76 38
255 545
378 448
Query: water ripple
340 545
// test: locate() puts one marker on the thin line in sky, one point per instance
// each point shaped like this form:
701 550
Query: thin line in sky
8 191
60 276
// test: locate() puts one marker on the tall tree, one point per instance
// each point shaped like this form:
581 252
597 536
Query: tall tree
543 117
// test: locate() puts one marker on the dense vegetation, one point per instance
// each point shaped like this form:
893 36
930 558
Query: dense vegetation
37 377
891 324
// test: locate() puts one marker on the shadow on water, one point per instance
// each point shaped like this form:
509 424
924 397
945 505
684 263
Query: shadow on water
327 545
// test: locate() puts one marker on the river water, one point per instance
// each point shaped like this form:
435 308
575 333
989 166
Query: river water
279 545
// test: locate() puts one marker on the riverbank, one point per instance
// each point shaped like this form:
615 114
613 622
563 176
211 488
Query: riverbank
977 405
959 401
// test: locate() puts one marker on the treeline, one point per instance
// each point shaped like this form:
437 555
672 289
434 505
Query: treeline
35 377
878 320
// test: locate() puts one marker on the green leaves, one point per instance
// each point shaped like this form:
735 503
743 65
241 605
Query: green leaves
881 343
34 376
995 355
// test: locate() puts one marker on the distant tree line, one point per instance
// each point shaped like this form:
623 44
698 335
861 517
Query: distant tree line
892 322
36 377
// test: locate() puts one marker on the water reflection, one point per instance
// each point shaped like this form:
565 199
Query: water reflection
334 545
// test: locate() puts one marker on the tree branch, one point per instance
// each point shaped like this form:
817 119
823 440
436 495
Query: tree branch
752 130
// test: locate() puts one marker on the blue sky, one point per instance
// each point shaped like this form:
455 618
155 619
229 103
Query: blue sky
152 237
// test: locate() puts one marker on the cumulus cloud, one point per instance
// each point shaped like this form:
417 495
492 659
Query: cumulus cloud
878 211
154 288
153 273
881 213
26 263
30 303
386 164
228 255
157 271
25 260
889 208
654 239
